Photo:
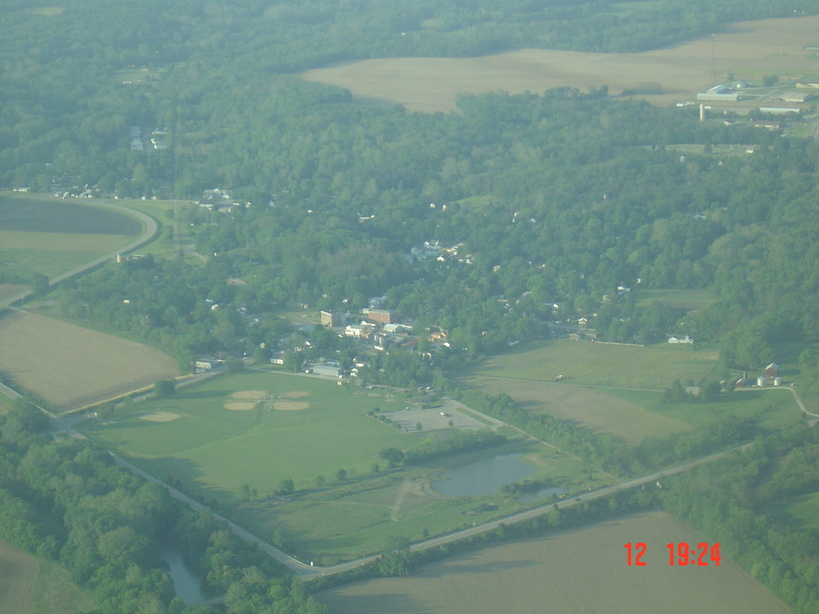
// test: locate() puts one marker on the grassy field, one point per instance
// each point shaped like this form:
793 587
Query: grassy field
52 253
582 571
689 300
597 364
748 50
32 586
616 388
70 366
227 432
52 236
162 211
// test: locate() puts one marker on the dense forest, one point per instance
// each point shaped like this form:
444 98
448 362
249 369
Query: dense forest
553 199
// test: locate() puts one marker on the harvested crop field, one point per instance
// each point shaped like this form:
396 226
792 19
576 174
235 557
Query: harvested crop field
18 576
290 405
582 571
160 416
590 407
70 366
749 50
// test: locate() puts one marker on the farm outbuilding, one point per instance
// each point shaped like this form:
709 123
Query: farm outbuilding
327 370
772 370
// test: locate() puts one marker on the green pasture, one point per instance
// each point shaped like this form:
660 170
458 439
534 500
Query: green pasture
162 212
678 298
51 253
343 521
617 389
599 364
51 236
214 452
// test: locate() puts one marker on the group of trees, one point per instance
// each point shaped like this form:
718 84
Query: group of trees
742 502
67 501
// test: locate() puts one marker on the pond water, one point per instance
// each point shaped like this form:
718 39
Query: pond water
186 585
482 477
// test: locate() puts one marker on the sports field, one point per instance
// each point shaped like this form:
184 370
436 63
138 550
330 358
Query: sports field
748 50
258 429
31 586
582 571
616 389
52 236
70 366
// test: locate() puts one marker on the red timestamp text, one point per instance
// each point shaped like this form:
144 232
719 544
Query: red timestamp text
680 554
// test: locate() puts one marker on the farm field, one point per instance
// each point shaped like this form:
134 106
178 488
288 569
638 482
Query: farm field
52 236
32 586
70 366
18 576
616 389
582 571
748 50
598 364
238 433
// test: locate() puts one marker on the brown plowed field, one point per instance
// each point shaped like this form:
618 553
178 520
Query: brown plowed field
749 50
70 366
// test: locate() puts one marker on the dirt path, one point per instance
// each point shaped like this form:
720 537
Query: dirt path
403 491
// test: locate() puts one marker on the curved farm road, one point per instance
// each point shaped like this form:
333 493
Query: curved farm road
148 234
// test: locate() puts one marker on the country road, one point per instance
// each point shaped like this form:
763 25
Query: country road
146 236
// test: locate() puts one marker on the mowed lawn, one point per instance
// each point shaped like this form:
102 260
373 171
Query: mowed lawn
217 450
32 586
70 366
600 364
749 50
582 572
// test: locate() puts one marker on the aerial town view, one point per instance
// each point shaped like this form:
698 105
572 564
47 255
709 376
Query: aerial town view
434 307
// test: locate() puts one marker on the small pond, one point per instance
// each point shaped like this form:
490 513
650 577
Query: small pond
186 585
482 477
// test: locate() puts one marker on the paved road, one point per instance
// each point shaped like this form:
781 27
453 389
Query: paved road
146 236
